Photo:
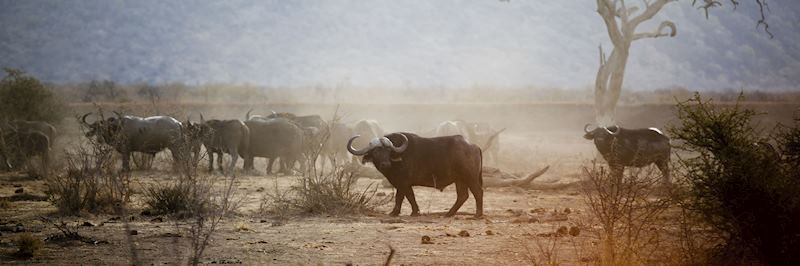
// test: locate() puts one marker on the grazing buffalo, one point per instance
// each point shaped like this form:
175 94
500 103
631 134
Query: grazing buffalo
149 135
480 134
24 143
334 147
224 136
275 138
622 147
20 135
452 128
486 137
431 162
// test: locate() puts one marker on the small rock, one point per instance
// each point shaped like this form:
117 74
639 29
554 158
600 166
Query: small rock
260 189
489 233
574 231
17 185
134 232
463 233
262 221
562 231
157 220
426 240
87 223
567 210
380 194
19 191
146 213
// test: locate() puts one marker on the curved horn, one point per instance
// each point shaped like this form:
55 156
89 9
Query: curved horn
612 132
202 120
247 116
586 127
83 118
402 148
354 151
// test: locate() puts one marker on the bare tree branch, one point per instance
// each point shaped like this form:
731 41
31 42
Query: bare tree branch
658 32
648 13
606 9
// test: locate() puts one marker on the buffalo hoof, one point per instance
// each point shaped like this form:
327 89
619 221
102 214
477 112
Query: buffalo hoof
394 214
415 214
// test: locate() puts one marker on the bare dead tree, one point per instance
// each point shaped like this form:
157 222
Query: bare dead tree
622 20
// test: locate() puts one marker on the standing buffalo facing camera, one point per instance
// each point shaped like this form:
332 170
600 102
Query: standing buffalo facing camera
408 160
622 147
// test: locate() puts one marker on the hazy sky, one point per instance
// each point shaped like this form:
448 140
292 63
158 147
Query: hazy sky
410 43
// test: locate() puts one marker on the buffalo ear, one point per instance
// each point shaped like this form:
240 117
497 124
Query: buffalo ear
397 158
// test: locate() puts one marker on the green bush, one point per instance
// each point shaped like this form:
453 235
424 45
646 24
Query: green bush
23 97
743 188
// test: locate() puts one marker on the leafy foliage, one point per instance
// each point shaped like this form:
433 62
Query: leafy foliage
746 190
23 97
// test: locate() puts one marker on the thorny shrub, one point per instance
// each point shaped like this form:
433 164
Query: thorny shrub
746 191
319 191
630 211
90 182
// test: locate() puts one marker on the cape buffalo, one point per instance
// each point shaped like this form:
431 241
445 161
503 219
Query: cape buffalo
136 134
24 143
334 146
274 138
480 134
431 162
23 140
622 147
224 136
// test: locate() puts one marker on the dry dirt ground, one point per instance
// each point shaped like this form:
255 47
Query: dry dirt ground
518 223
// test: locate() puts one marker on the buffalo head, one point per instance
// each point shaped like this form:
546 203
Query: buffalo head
103 129
380 151
600 134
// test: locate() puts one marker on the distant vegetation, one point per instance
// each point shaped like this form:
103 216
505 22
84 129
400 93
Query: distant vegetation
110 91
23 97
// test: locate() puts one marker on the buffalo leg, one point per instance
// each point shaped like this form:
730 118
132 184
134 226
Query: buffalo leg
46 164
269 165
219 162
232 166
126 161
411 199
477 191
462 194
663 166
398 201
210 161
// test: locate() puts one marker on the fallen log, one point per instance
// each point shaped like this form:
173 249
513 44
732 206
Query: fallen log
495 181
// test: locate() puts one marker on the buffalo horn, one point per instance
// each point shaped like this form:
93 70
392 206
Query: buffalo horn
586 127
402 148
354 151
83 118
612 132
247 116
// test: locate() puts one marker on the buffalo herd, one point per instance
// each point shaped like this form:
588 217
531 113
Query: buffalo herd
452 153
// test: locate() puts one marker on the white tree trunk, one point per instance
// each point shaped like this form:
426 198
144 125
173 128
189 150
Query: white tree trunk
622 32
